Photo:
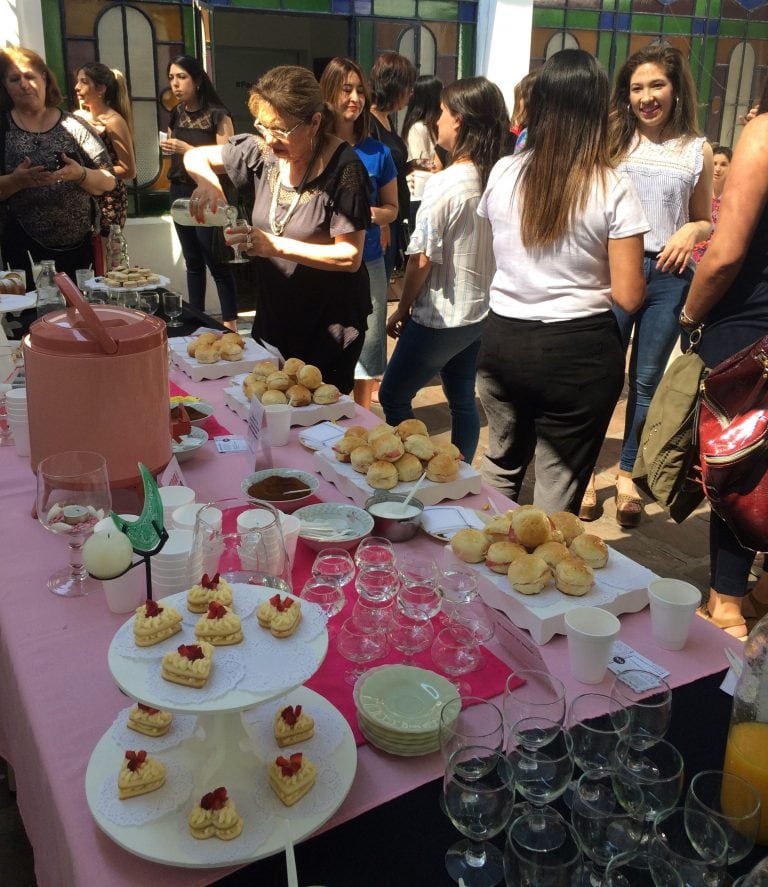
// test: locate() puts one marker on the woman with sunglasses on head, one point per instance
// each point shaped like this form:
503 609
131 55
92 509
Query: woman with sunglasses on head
199 118
444 303
309 218
345 91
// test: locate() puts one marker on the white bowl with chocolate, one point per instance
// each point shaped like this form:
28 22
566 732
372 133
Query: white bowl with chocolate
285 488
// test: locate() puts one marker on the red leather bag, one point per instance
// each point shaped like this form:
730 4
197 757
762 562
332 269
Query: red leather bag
733 443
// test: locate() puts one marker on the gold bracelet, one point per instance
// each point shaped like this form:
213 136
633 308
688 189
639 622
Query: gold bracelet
83 174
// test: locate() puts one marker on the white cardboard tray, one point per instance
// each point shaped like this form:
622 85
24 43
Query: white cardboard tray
344 408
354 485
620 587
200 371
100 284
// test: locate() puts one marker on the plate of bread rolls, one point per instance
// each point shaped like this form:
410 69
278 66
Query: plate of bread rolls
215 355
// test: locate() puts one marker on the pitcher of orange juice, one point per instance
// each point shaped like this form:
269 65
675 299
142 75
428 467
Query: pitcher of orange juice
746 752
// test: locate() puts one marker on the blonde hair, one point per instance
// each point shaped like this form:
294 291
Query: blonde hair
116 95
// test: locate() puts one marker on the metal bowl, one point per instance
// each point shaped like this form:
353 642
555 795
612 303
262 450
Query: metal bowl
396 529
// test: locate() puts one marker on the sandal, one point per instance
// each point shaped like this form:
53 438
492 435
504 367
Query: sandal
725 624
629 510
589 509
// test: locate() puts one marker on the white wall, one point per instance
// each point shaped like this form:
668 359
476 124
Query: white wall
504 43
21 23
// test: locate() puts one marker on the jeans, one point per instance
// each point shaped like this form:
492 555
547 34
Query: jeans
656 329
197 247
373 359
421 353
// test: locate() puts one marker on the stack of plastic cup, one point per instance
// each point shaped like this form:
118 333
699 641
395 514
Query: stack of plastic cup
171 565
18 421
173 498
184 518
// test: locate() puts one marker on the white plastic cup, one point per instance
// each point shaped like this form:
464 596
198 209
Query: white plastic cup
591 632
20 431
673 605
290 525
420 179
278 423
184 518
126 592
173 498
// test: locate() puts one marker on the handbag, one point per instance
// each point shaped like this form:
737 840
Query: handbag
733 443
666 467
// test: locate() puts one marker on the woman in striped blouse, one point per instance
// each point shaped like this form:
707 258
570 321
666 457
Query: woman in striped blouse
654 138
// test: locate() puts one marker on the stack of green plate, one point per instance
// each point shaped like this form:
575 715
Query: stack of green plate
398 708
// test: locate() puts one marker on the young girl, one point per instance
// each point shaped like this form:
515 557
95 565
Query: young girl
345 91
444 303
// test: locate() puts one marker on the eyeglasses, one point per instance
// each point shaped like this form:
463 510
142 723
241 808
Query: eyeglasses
274 132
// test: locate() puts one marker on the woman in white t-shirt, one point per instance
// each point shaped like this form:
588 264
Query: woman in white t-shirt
568 243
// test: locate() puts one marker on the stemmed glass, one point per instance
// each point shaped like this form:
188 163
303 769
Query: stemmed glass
334 563
540 695
479 801
418 577
472 618
648 699
359 646
456 586
149 302
456 653
733 803
604 828
73 495
327 594
172 308
378 583
526 866
410 633
130 298
374 551
417 570
419 599
637 869
373 615
237 248
693 843
647 781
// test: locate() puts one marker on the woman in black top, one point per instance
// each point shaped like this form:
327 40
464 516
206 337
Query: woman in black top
200 118
392 79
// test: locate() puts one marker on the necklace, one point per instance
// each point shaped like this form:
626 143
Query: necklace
30 136
279 227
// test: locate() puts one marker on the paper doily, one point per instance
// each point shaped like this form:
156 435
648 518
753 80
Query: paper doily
226 674
273 663
182 728
324 793
243 603
125 645
313 618
330 728
145 808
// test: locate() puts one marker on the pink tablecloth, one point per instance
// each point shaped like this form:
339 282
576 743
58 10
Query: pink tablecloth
58 696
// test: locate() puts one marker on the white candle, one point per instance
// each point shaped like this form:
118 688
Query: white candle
107 554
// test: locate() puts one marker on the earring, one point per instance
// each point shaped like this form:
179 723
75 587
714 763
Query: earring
629 109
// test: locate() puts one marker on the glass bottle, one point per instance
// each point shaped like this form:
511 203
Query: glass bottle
117 248
49 298
746 751
223 217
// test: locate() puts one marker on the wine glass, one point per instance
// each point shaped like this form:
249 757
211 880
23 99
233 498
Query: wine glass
604 828
130 298
73 495
378 583
540 695
648 780
457 586
327 594
374 551
234 227
410 633
455 654
526 866
693 843
479 802
334 563
596 723
172 308
419 599
733 803
149 302
648 699
373 615
359 646
473 617
637 869
417 570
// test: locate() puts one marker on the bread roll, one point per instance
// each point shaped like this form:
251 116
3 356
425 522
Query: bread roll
382 475
263 368
591 549
374 432
207 353
420 445
574 577
232 336
411 426
530 527
357 431
309 376
387 446
230 350
552 552
272 395
501 554
442 469
326 394
362 458
470 545
497 528
279 381
344 446
528 574
292 366
408 468
449 449
299 396
253 387
568 524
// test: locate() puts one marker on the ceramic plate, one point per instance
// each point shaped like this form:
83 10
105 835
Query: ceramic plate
190 444
403 698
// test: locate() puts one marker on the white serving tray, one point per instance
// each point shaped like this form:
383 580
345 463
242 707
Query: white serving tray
101 285
198 372
354 485
344 408
620 587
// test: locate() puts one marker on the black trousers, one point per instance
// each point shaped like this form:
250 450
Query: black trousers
548 390
16 243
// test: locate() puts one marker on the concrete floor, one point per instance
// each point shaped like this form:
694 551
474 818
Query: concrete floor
667 548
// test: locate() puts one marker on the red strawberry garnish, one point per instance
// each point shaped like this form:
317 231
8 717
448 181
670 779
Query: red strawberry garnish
191 652
289 766
214 800
135 759
152 608
148 709
291 714
281 605
209 583
216 610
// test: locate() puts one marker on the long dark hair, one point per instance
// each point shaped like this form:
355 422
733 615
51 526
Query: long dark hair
116 95
331 84
567 145
206 92
424 105
484 120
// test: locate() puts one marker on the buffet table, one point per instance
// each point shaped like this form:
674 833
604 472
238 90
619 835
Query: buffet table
59 697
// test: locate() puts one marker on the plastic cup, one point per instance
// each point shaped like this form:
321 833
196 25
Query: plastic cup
290 525
184 518
673 605
278 423
173 498
420 179
591 632
126 592
20 431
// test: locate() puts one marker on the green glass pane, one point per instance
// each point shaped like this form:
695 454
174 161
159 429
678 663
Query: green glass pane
714 7
467 39
189 29
438 10
54 49
365 32
395 8
677 24
649 23
308 5
548 18
732 28
624 6
604 49
584 19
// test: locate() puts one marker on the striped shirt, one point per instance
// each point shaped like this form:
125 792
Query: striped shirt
458 244
664 176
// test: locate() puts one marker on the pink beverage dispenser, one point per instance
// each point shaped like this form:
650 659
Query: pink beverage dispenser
97 379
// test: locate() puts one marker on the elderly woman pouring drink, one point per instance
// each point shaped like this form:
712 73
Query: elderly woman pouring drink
309 218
